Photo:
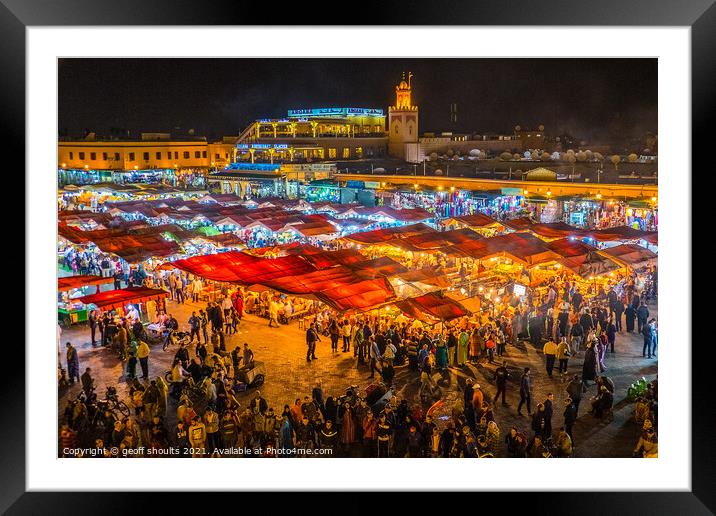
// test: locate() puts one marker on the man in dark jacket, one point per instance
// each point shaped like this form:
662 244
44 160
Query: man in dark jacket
525 392
501 375
570 417
548 411
618 311
642 314
575 389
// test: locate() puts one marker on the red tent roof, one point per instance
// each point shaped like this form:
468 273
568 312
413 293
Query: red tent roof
122 297
70 282
566 247
238 267
323 259
379 236
523 247
434 304
555 230
362 295
383 266
590 264
519 224
631 254
622 233
436 239
477 220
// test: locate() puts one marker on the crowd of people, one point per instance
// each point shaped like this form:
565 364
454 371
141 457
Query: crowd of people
359 423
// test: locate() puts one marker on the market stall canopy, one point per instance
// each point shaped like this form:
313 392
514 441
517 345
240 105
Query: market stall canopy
324 259
623 233
427 275
224 240
435 240
363 295
554 230
522 247
242 268
569 247
632 255
433 304
518 224
477 220
383 266
315 229
123 297
70 282
316 281
380 236
590 264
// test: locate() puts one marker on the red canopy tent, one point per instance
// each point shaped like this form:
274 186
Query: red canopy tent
632 255
428 275
323 259
590 264
519 224
383 266
554 230
566 247
238 267
477 220
521 247
363 295
70 282
434 304
622 233
123 297
381 236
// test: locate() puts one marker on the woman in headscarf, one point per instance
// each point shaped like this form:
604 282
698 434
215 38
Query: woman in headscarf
589 369
492 435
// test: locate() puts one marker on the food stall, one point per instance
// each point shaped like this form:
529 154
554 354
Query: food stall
70 310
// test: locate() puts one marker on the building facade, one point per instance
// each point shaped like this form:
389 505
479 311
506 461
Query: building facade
156 152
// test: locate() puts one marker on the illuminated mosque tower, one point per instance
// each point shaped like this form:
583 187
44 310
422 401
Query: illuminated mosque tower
403 122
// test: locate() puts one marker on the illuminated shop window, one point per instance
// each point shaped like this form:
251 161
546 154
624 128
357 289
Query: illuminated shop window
331 153
346 153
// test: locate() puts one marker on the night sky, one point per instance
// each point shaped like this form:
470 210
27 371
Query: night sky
592 99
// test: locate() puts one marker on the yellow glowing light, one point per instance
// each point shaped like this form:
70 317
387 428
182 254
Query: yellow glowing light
452 188
480 289
415 186
653 199
599 196
549 193
382 184
136 167
86 166
440 188
526 192
558 265
175 165
64 165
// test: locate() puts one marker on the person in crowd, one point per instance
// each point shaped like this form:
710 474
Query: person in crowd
501 376
73 363
525 392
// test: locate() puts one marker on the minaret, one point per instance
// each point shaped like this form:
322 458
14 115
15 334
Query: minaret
402 120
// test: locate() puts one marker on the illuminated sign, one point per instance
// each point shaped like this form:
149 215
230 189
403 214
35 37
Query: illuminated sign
303 113
246 146
255 166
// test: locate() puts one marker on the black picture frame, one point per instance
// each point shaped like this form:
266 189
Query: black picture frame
700 15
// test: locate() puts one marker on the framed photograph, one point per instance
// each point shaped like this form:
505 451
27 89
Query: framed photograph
384 251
